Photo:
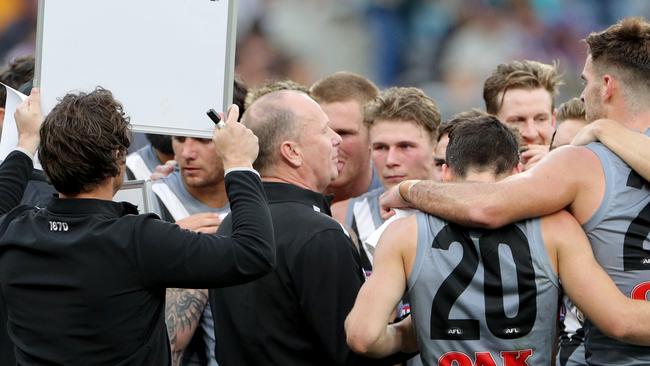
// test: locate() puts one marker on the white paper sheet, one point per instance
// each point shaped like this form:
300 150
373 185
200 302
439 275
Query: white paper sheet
9 137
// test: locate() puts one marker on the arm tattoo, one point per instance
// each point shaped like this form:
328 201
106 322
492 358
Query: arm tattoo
183 309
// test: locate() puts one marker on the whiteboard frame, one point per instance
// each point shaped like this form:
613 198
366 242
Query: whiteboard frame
231 39
143 187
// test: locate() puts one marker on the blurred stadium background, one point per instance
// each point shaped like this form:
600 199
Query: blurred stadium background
446 47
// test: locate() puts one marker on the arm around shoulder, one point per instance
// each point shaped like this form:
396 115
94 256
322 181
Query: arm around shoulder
548 187
631 146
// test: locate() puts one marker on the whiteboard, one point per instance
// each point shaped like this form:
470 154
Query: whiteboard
167 61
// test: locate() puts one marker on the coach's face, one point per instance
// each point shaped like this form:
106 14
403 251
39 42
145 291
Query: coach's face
319 144
198 161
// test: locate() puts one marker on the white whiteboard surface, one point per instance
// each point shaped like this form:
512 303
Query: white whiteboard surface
167 61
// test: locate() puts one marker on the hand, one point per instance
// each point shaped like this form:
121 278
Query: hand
205 222
28 121
409 341
392 198
164 170
236 144
533 155
591 132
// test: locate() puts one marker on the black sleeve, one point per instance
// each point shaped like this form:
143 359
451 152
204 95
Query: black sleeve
172 257
328 276
14 174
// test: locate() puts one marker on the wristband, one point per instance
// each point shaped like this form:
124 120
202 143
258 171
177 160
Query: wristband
408 190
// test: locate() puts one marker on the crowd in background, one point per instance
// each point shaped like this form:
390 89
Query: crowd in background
430 44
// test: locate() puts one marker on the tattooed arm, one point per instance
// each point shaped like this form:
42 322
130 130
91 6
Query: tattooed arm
183 309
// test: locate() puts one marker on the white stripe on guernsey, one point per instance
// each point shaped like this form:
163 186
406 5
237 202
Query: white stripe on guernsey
373 239
138 167
171 202
363 217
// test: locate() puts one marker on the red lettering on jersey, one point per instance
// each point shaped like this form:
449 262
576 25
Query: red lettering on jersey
454 359
516 358
484 359
510 358
640 291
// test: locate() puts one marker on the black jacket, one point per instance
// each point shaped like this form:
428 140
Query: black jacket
14 174
84 280
294 315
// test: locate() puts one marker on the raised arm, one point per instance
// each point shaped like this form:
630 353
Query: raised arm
631 146
17 167
551 185
367 326
173 257
589 287
169 256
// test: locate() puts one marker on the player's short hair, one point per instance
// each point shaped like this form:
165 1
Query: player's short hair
481 143
84 140
271 87
524 74
405 105
448 125
344 86
623 49
573 108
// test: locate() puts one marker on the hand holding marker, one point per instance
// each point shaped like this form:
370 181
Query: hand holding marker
215 118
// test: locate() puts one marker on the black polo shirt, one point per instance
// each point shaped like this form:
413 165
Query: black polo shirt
14 174
84 280
294 315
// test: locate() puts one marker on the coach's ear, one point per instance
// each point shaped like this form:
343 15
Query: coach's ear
291 153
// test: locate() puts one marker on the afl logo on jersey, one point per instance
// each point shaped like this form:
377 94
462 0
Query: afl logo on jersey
511 330
455 331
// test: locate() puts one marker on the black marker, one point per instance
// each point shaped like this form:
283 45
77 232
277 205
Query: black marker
215 118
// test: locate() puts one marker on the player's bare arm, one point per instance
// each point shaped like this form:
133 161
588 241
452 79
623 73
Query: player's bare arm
367 326
587 284
629 145
183 309
561 180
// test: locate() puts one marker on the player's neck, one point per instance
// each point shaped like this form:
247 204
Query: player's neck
355 188
633 119
213 196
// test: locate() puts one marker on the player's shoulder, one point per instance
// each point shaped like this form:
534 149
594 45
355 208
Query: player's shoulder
570 156
562 219
559 226
402 230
